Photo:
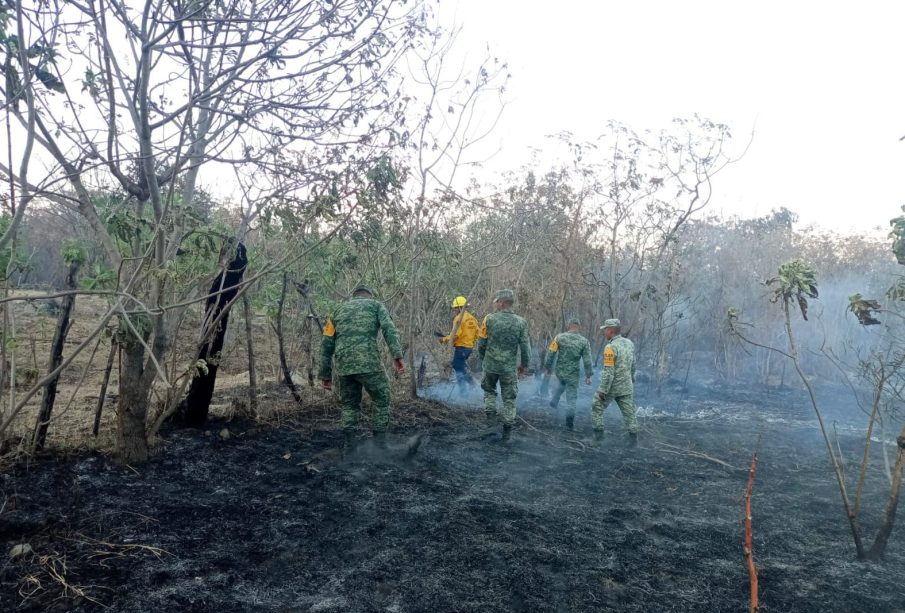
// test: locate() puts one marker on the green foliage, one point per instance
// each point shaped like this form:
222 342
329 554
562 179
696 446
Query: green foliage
21 261
795 280
125 336
42 65
898 237
864 309
101 277
73 251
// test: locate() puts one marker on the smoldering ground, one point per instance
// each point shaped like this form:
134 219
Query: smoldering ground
274 520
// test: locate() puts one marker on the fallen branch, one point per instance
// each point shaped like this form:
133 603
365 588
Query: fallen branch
749 539
527 423
694 454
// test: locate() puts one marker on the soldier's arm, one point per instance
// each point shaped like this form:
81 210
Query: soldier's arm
390 333
482 338
525 346
551 354
328 346
586 360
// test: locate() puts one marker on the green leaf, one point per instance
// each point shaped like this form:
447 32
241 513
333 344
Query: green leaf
49 80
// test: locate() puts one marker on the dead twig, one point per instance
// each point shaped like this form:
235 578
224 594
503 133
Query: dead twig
666 448
749 539
527 423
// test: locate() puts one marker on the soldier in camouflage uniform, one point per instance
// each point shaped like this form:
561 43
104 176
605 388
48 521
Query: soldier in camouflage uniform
568 350
350 336
501 337
616 381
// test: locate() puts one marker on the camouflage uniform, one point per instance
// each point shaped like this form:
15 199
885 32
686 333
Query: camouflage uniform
350 337
616 382
502 336
568 350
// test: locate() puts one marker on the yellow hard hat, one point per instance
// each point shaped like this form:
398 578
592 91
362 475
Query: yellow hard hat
459 301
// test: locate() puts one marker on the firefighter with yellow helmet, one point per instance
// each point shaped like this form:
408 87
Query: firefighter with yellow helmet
464 335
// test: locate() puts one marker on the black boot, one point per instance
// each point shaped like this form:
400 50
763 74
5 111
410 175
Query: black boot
348 443
570 422
507 432
380 439
598 435
632 439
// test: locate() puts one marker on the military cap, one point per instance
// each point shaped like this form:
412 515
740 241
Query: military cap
505 294
363 288
573 321
610 323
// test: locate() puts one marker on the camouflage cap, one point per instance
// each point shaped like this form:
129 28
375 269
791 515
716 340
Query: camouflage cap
505 294
363 288
573 321
610 323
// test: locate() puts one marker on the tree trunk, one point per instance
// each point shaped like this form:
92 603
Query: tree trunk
103 393
892 503
252 375
837 469
281 345
194 408
131 442
56 358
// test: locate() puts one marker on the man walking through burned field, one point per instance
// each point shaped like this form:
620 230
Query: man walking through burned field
568 350
501 337
617 381
350 336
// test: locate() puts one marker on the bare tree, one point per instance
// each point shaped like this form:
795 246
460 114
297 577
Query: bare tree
171 88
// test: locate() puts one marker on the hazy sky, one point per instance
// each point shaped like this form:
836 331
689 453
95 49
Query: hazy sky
821 84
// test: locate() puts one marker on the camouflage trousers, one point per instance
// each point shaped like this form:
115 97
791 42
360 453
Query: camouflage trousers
570 388
626 405
378 388
508 390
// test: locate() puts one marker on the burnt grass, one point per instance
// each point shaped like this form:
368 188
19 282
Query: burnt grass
272 519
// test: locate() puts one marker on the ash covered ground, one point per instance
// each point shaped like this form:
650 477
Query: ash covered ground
272 519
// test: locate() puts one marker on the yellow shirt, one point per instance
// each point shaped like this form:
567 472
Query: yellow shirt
467 334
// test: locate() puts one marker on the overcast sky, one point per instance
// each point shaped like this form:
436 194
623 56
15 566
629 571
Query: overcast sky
821 84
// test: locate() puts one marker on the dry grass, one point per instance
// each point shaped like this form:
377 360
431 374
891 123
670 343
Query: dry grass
77 392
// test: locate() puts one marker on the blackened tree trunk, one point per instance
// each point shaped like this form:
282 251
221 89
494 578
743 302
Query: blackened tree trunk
194 408
252 374
281 344
56 357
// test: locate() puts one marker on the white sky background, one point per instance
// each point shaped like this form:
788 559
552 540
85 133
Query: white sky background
821 84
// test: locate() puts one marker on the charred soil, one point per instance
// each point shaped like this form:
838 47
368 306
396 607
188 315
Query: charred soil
275 519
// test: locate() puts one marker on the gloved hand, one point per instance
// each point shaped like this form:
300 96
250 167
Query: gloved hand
601 397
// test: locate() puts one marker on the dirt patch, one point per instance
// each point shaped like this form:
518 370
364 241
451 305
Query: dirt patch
273 519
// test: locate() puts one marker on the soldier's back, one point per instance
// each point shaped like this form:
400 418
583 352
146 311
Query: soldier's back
504 332
356 324
625 363
570 346
505 328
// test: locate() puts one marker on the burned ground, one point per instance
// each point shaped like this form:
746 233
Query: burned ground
273 519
